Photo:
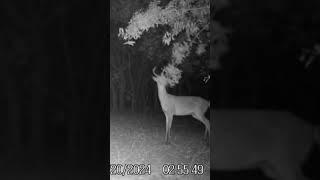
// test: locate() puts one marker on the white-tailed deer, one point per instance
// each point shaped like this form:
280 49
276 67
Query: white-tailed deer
180 105
276 142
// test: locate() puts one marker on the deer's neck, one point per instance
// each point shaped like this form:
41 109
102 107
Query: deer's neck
162 93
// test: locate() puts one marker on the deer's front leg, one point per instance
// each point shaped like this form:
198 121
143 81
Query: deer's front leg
170 117
167 128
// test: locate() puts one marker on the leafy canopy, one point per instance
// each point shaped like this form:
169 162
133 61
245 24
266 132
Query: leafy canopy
188 25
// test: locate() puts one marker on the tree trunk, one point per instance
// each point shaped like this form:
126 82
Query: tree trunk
122 86
132 86
155 99
115 103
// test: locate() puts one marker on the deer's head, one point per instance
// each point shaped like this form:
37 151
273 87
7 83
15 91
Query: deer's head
159 79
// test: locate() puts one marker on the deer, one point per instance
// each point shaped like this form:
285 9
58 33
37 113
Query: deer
180 105
276 142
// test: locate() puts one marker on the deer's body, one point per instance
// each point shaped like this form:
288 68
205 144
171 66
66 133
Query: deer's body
180 106
276 142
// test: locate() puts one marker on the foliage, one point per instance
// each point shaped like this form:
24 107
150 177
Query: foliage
187 25
179 15
175 74
186 17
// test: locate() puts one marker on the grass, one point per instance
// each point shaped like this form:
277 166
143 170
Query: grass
139 139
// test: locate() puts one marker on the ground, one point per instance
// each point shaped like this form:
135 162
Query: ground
140 139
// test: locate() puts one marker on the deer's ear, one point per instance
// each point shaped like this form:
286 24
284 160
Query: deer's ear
154 78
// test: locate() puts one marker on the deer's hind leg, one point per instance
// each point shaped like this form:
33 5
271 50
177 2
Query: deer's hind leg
205 121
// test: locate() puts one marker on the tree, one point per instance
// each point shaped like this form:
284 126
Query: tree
187 29
188 25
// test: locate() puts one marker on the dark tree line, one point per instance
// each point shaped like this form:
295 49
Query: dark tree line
262 68
53 79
